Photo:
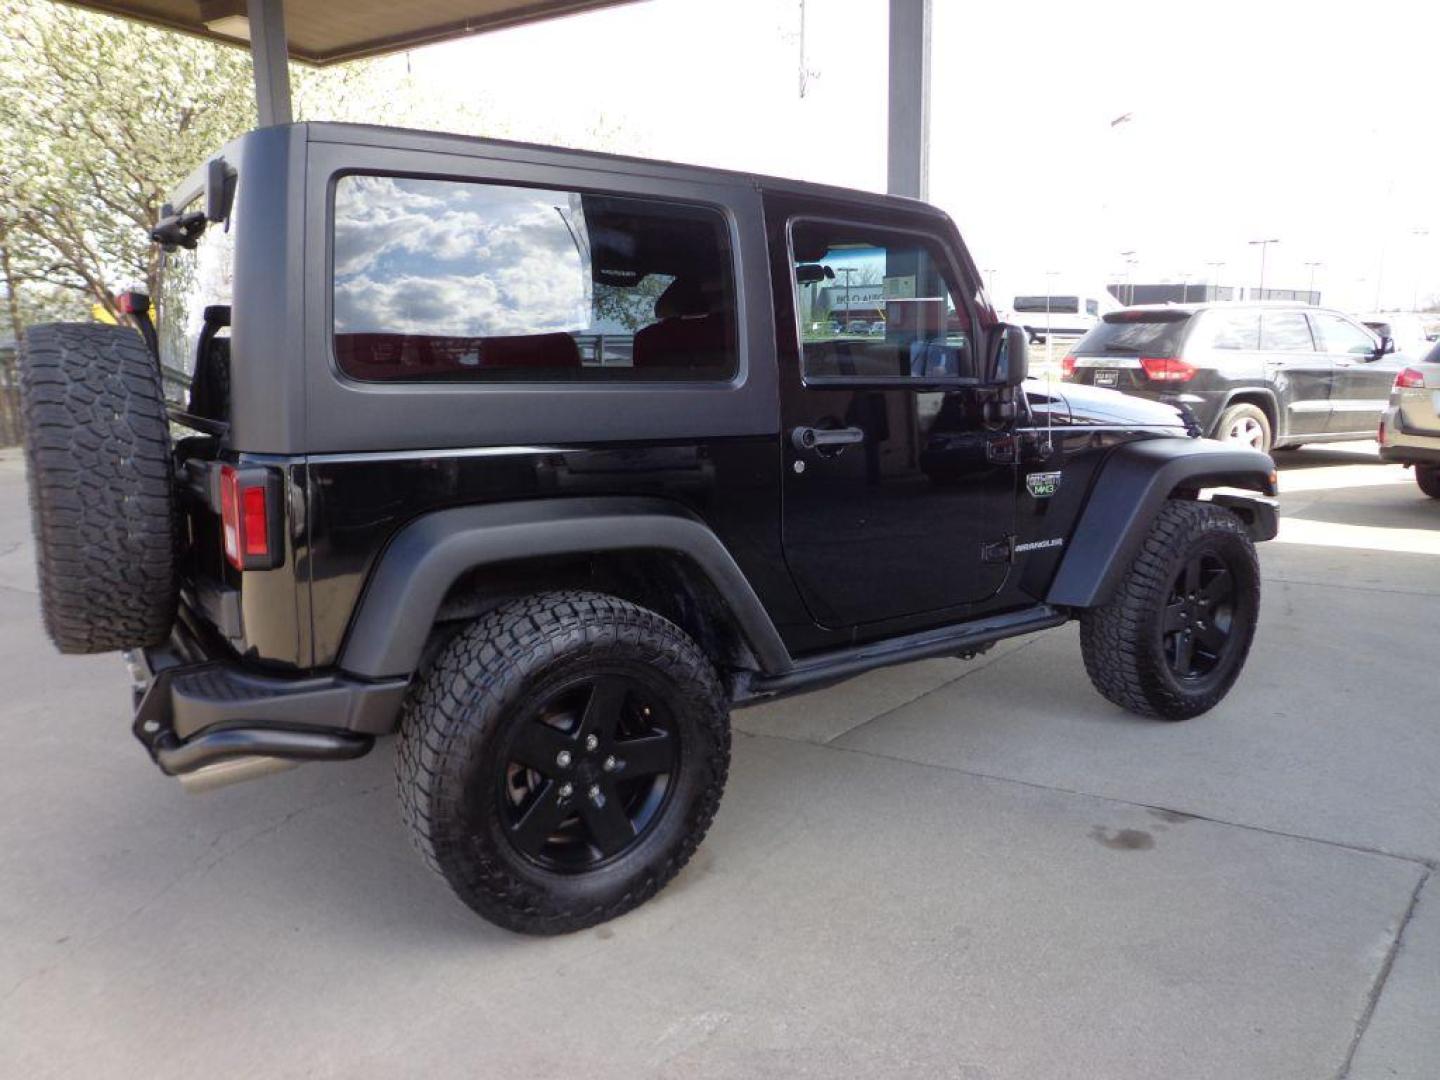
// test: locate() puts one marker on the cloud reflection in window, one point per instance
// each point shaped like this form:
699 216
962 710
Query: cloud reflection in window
438 257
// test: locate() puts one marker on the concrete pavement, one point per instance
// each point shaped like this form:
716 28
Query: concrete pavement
972 870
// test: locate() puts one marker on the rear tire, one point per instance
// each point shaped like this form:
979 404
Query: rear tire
1174 637
562 759
1428 477
1246 425
102 500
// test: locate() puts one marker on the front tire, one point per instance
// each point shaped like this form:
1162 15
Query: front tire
1172 640
1428 477
562 759
1246 425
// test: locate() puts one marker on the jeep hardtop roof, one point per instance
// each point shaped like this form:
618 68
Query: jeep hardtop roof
394 138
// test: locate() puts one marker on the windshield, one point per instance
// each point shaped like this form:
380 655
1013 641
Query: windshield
1138 335
1062 305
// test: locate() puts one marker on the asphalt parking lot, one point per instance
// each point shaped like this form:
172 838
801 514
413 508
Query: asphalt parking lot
952 869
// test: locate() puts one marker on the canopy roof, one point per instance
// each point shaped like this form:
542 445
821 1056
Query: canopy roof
331 31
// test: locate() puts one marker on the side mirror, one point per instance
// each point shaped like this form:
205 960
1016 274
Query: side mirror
1010 360
1387 344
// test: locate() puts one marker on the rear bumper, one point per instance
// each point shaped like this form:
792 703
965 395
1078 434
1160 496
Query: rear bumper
1404 447
195 710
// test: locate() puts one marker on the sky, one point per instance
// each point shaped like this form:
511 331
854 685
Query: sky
1312 124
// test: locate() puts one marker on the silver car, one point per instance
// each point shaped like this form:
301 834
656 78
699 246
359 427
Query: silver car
1410 427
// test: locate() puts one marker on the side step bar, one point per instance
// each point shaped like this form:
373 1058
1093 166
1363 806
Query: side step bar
812 672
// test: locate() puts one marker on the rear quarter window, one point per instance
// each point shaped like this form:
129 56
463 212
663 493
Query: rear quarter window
464 281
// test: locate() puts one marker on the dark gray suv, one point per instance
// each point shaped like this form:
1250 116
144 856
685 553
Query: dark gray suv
1266 375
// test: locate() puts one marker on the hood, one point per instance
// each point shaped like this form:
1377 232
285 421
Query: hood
1097 405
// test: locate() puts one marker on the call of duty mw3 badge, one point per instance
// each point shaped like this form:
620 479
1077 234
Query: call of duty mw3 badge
1042 485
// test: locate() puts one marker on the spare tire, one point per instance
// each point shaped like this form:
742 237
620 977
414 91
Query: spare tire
102 498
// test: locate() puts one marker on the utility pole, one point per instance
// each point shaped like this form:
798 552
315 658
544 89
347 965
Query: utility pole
1310 293
1264 247
1216 267
1129 257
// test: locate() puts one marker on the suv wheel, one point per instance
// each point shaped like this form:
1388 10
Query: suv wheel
562 759
1428 477
1247 425
1173 639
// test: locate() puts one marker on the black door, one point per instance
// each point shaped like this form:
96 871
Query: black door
1302 375
1362 380
895 490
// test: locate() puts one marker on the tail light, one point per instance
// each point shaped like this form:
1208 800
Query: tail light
1410 379
1166 369
1067 367
250 518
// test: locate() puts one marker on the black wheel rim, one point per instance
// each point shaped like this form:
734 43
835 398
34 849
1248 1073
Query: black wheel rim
588 772
1200 616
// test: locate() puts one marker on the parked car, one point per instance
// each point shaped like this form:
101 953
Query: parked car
1062 314
1404 328
1410 429
406 506
1265 375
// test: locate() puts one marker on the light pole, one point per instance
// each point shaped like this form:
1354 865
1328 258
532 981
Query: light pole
1216 267
1264 247
1129 257
1310 292
1185 287
847 271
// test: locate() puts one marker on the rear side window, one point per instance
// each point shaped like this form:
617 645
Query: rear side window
1285 331
1232 330
1132 333
455 280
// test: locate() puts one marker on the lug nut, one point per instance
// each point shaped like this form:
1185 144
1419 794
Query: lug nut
610 764
591 742
595 793
563 759
566 790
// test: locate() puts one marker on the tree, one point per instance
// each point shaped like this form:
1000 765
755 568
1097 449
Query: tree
105 117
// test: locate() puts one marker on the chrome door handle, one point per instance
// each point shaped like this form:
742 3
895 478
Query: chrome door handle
810 438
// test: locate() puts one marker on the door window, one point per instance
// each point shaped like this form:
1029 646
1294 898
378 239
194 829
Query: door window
877 306
1284 331
1339 335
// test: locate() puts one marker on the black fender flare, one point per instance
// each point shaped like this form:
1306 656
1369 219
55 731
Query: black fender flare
1129 491
427 556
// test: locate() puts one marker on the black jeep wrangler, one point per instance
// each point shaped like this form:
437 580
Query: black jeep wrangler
547 460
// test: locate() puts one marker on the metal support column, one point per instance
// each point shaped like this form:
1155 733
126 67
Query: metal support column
908 141
271 57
